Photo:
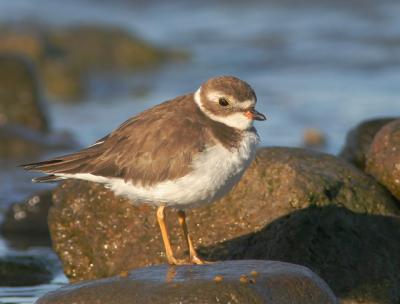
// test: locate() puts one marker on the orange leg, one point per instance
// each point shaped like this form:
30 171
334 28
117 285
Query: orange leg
194 258
164 233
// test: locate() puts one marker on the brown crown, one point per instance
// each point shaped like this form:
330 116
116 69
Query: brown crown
230 85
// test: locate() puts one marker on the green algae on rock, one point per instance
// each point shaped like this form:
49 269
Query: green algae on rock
276 283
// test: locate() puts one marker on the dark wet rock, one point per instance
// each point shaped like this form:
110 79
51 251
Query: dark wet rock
23 271
357 254
359 139
20 98
65 56
239 282
25 224
383 158
18 141
98 235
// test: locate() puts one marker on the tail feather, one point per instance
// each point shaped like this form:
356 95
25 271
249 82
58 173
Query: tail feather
38 165
55 165
47 179
60 165
79 162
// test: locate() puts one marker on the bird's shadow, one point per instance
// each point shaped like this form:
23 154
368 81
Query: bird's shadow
358 255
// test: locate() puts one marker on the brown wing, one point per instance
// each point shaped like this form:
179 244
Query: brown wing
156 145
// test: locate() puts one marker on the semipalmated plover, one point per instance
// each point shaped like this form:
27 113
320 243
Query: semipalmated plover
185 152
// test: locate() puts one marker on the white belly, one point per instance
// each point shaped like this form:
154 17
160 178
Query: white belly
215 172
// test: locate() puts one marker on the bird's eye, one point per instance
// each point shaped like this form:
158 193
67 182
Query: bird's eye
223 102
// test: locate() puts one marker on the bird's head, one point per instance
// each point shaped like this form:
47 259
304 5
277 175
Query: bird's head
228 100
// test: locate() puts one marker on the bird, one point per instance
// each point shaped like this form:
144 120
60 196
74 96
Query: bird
186 152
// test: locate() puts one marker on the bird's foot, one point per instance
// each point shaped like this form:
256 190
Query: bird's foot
195 259
174 261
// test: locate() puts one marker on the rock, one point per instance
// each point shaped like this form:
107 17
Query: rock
314 138
239 282
65 56
25 224
23 40
20 98
357 254
24 127
97 47
92 48
383 157
98 235
359 139
64 81
20 142
23 271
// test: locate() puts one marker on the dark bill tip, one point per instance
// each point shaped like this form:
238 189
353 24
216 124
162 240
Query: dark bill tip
258 116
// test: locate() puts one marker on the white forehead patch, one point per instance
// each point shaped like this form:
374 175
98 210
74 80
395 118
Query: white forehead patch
236 120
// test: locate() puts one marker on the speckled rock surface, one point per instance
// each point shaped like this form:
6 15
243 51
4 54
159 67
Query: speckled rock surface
383 158
359 139
228 282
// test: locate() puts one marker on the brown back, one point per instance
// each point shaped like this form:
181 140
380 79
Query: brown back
156 145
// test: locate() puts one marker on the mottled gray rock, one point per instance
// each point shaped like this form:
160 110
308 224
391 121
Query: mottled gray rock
359 139
228 282
383 158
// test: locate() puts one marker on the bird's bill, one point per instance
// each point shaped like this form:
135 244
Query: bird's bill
254 115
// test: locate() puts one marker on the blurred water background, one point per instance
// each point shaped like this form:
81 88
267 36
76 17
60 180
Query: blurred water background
314 64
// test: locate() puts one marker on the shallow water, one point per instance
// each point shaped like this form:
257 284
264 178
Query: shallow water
29 294
326 65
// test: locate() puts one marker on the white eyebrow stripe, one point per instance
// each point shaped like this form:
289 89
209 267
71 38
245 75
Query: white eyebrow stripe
215 95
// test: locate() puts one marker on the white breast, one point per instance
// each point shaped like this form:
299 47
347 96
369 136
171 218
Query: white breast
215 172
